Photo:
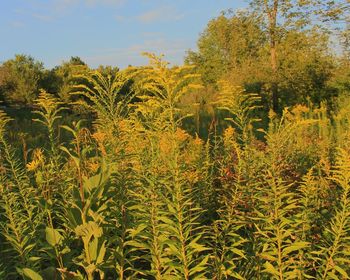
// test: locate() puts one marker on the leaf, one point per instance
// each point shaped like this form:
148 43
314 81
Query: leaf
93 247
101 253
53 237
270 269
92 182
295 247
69 129
238 252
31 274
88 230
34 259
342 272
199 267
75 159
268 257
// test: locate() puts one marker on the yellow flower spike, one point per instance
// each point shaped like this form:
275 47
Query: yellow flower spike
99 136
181 135
38 159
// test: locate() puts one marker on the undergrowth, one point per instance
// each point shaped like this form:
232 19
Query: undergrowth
138 197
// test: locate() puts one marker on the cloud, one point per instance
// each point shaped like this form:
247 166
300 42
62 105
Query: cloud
42 17
103 2
66 5
120 18
61 6
53 9
17 24
174 51
151 34
165 13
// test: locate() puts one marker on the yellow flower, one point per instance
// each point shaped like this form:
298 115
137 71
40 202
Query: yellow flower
38 159
197 141
272 115
164 146
93 166
299 109
99 136
229 132
181 135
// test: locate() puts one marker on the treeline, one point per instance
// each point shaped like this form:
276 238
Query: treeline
289 52
22 78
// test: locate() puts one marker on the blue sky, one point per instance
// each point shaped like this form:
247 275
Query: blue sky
108 32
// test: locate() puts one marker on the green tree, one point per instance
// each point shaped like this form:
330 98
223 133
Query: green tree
281 15
108 70
235 47
232 42
63 77
305 67
20 79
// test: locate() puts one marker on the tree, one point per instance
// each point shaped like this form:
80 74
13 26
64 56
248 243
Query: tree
64 79
282 15
235 47
108 70
305 67
20 79
232 42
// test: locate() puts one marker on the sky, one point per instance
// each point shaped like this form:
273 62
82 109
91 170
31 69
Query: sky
105 32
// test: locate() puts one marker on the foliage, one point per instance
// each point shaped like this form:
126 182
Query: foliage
20 79
138 197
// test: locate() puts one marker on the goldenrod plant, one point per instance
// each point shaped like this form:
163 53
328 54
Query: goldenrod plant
137 194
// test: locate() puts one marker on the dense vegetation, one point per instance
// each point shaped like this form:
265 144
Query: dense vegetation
235 165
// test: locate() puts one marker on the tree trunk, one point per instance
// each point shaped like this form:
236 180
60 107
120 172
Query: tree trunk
272 16
274 84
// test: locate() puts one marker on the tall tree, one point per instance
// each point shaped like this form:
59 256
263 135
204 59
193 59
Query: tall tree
232 42
282 15
20 79
64 76
236 47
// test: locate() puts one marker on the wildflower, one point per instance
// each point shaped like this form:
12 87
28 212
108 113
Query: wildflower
38 159
181 135
99 136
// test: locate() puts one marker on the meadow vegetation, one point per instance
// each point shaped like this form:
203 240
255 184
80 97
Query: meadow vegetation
223 168
136 196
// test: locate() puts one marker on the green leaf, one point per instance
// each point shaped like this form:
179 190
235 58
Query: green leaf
238 252
270 269
34 259
199 267
295 247
53 237
342 272
101 253
93 247
92 182
268 257
31 274
75 159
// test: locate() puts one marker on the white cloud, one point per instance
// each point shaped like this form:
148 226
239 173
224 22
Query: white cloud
103 2
120 18
63 5
54 9
17 24
42 17
174 51
165 13
151 34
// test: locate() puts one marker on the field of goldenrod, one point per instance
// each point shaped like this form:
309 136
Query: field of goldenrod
136 196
